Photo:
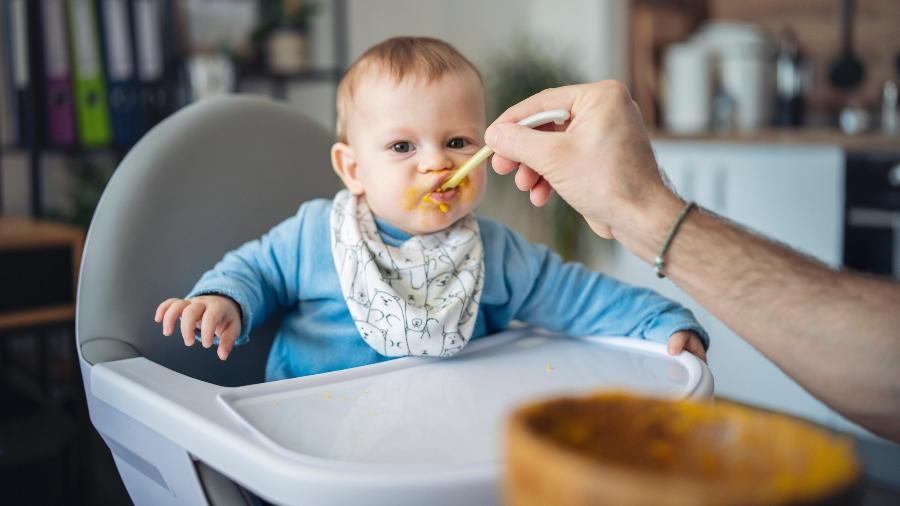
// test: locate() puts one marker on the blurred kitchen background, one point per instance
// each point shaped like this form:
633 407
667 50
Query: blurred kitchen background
779 114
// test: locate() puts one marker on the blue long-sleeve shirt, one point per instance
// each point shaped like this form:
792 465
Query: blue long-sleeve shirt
291 267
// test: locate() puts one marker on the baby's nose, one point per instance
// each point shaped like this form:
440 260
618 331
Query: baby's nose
435 161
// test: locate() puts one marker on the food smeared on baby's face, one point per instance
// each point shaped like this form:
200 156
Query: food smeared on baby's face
407 137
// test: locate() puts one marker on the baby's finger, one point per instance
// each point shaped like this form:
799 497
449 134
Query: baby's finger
211 320
228 334
526 178
189 319
225 348
696 347
172 315
540 194
677 342
161 309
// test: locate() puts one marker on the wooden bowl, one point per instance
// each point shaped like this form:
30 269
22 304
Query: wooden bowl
616 448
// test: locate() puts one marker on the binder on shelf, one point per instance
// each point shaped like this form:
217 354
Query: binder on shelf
22 91
90 86
122 98
155 96
58 104
9 132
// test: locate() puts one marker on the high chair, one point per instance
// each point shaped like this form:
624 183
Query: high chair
186 428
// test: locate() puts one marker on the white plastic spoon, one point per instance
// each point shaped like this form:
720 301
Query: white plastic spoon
558 116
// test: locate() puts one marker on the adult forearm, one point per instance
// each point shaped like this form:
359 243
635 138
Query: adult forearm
835 333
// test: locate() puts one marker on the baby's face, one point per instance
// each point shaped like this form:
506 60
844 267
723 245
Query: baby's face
406 138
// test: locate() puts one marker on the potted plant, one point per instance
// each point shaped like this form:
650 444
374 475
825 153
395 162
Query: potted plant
515 77
283 34
87 181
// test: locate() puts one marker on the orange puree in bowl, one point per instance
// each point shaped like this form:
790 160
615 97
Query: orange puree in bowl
619 449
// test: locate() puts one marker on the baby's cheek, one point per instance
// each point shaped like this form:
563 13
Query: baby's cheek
410 200
473 191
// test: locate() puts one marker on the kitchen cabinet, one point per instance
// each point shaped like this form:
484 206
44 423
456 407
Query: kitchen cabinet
791 193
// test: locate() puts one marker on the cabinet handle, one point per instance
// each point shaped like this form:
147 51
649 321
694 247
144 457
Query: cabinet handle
687 182
894 176
720 189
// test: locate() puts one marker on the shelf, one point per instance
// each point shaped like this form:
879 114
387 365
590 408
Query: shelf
36 317
310 75
53 150
868 142
245 72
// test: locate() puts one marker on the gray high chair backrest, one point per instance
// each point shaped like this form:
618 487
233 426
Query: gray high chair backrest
209 178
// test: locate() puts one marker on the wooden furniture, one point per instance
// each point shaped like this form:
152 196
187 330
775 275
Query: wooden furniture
39 263
47 431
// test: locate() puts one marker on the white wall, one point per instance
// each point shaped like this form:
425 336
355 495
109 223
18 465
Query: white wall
590 34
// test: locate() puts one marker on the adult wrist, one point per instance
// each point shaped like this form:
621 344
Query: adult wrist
648 223
659 263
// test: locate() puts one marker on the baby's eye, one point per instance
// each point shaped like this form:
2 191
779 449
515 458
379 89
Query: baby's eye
457 143
402 147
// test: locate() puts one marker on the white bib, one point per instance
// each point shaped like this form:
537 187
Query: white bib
420 298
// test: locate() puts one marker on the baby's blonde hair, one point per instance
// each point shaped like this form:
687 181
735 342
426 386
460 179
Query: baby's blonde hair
399 57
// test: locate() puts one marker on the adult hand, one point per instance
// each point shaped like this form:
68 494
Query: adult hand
601 163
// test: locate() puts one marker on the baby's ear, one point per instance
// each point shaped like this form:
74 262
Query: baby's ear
343 161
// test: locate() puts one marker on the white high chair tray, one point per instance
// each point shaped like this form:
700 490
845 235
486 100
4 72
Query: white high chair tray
405 431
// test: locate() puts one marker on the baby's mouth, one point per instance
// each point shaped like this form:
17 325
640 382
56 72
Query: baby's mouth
436 188
443 197
435 194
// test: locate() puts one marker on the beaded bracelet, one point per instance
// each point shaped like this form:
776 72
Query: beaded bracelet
659 264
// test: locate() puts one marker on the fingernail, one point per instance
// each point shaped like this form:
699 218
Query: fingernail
490 135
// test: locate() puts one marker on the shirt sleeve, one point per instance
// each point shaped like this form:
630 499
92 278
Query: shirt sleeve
260 276
570 298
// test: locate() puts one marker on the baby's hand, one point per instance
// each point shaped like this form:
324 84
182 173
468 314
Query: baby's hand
212 314
686 340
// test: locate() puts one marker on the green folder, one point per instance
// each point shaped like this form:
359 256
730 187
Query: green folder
87 75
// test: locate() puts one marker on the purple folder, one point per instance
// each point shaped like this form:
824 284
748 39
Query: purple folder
59 103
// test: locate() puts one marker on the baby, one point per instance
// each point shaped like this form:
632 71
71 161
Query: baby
392 267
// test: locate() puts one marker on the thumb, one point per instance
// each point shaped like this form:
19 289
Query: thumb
521 144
